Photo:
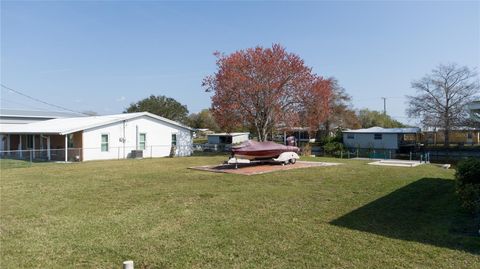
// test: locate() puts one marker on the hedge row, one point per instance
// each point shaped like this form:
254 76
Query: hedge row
468 184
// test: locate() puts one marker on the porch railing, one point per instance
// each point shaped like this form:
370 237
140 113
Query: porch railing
106 153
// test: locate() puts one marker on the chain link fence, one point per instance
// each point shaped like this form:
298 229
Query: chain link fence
205 147
434 156
99 153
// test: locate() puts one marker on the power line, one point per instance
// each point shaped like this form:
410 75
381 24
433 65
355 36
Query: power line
38 100
22 104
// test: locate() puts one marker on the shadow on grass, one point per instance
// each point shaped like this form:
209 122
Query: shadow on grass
425 211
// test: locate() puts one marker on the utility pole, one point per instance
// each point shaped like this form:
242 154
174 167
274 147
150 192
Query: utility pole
384 105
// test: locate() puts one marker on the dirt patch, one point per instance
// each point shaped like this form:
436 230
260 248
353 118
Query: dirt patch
256 168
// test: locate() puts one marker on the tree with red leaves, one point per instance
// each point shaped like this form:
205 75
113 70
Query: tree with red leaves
263 88
315 102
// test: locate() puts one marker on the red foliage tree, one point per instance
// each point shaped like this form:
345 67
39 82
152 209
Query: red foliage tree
316 100
264 87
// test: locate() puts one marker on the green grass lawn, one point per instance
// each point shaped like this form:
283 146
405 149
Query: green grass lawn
162 215
7 163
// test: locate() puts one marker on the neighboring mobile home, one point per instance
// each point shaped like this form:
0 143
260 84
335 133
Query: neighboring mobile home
98 137
380 138
227 138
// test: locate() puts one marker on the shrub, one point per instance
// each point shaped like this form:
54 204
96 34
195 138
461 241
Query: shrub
470 197
468 171
337 137
333 147
307 150
468 184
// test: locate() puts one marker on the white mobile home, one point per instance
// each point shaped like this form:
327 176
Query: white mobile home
380 138
99 137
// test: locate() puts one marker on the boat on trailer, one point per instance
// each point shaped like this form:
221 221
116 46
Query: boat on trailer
253 151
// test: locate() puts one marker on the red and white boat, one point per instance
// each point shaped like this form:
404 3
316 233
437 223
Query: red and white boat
253 150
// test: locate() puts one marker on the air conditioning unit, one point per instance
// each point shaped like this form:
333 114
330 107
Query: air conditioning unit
137 154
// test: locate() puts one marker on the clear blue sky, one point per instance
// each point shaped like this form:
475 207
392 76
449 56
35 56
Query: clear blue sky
101 56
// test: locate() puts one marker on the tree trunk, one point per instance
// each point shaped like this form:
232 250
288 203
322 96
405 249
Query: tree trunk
446 134
259 133
262 132
327 129
263 138
446 130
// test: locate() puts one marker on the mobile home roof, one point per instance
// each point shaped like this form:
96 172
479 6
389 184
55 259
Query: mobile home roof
70 125
378 130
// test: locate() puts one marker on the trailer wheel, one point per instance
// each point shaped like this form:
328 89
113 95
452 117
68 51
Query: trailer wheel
293 161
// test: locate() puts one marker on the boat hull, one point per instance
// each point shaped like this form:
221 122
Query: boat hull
261 150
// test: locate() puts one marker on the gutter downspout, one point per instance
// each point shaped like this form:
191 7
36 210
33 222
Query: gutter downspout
136 137
123 140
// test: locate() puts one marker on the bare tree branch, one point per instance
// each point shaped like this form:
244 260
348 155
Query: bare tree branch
442 97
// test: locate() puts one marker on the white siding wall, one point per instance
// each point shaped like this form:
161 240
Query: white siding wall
215 139
158 139
365 141
239 138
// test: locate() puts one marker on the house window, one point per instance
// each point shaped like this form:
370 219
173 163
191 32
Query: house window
350 136
142 141
377 136
174 139
469 135
104 144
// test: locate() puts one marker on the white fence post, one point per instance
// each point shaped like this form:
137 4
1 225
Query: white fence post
66 149
48 148
128 265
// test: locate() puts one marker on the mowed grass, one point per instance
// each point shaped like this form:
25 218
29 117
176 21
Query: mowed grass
160 214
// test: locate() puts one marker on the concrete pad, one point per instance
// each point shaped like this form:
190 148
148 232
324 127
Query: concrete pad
398 163
256 168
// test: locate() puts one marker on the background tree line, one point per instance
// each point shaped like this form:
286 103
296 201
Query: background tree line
261 89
